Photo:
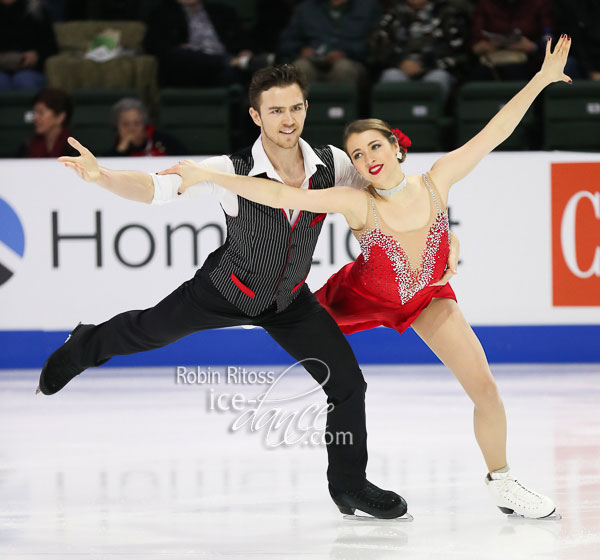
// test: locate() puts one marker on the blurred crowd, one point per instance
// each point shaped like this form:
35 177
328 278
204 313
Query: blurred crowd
201 43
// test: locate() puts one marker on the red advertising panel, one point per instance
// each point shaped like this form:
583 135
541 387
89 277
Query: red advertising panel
576 234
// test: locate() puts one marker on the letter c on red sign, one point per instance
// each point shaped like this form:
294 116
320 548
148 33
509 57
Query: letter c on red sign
568 240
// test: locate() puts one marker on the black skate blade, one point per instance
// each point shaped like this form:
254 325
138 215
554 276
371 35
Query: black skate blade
406 518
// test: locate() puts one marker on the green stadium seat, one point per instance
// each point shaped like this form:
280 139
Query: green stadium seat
199 118
478 102
91 121
572 116
15 120
330 108
416 108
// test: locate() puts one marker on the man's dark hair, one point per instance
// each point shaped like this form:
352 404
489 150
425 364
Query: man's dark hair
281 75
57 100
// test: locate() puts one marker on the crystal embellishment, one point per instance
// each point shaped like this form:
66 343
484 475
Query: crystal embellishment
394 270
409 281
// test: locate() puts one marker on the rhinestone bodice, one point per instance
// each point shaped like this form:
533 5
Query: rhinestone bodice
386 269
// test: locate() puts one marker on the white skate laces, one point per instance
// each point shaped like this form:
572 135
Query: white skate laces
511 496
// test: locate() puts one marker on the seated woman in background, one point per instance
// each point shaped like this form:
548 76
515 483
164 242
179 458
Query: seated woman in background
52 110
135 136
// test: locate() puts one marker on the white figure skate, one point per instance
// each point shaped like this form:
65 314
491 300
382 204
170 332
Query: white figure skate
516 500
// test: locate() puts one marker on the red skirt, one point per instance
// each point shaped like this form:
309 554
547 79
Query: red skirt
355 308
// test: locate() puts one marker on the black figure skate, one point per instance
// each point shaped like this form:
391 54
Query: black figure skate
377 503
59 368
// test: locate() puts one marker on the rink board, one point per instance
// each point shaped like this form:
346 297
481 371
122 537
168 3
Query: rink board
529 278
525 344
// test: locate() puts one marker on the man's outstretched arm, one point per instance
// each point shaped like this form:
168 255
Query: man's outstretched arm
132 185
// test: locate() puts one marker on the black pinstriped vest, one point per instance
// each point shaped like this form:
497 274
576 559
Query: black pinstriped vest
265 259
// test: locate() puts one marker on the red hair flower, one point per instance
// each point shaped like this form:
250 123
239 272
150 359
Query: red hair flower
403 140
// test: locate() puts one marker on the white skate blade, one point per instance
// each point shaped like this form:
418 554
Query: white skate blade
406 518
555 516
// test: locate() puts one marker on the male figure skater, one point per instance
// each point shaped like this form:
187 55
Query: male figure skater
255 278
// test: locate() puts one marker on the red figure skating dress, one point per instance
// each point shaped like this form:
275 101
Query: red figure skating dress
381 287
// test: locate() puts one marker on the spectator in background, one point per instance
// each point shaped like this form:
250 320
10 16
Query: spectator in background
422 40
509 37
197 43
135 136
52 109
26 40
328 39
581 19
273 16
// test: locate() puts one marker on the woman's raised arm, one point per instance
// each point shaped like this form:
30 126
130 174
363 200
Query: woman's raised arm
455 165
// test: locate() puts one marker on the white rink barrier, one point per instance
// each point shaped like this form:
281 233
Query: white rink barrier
528 224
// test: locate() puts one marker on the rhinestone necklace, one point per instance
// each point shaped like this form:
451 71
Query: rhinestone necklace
393 190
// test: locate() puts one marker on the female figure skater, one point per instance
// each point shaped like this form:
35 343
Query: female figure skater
401 224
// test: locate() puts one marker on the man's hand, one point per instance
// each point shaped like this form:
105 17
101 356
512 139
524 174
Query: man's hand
485 47
190 173
522 45
307 52
333 56
411 67
452 264
30 59
242 59
85 165
594 76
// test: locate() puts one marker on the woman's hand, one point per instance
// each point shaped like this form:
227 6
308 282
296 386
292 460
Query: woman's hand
190 173
554 62
30 59
125 142
85 165
452 264
485 47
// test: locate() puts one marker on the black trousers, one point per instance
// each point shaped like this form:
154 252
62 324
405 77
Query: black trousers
304 330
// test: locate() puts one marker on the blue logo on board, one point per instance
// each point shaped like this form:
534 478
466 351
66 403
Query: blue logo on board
12 241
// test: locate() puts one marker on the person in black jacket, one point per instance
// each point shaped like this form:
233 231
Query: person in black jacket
26 40
272 17
197 43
